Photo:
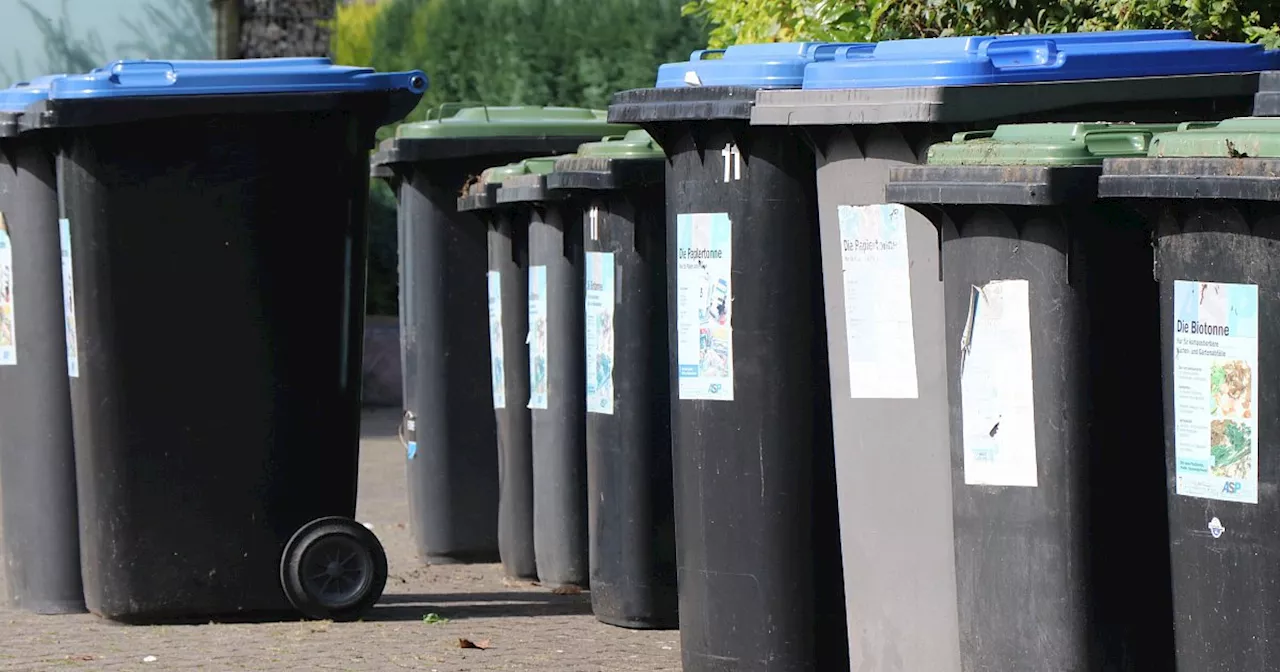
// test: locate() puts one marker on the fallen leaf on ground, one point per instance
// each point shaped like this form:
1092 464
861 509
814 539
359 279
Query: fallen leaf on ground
464 643
567 590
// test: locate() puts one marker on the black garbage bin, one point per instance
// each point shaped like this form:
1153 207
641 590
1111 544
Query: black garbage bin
448 428
618 184
1212 197
214 288
508 287
757 536
1054 384
557 373
41 551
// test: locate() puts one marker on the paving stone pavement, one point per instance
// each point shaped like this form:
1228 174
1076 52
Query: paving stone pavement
525 626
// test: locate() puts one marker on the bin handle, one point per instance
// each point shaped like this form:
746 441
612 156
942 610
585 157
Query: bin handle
404 443
456 107
1118 141
700 54
839 51
142 73
1193 125
966 136
1023 54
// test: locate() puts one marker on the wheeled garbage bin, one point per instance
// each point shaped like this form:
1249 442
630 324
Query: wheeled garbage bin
1055 386
41 550
448 427
865 114
618 184
213 287
1211 196
757 535
557 373
508 288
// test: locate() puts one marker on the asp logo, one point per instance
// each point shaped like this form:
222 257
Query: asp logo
715 388
1232 487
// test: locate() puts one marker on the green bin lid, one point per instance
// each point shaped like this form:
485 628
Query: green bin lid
1239 138
1046 144
497 174
634 145
496 122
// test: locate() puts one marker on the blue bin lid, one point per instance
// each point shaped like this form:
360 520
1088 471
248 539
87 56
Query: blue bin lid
775 65
123 79
1008 59
16 98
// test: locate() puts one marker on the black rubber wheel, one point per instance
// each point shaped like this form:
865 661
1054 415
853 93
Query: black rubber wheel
333 568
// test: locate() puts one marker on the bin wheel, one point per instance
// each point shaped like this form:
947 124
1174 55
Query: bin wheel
333 568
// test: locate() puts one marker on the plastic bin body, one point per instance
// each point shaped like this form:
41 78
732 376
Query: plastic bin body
900 565
1211 201
1050 298
188 258
449 426
557 375
41 549
620 186
756 531
508 290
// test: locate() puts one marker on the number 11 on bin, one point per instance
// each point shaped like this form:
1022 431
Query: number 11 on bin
704 306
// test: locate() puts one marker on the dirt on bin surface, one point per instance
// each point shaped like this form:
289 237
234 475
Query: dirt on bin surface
424 614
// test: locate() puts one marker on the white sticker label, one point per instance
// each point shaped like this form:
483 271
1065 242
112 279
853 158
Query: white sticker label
69 298
997 413
538 384
877 302
8 328
497 372
704 306
1215 383
599 304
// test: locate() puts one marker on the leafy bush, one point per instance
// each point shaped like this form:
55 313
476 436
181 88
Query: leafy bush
740 21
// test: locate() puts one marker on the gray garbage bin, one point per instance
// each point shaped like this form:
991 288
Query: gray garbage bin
557 373
507 283
449 430
618 184
865 114
41 550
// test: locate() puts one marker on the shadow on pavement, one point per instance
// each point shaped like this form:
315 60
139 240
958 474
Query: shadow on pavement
380 423
408 607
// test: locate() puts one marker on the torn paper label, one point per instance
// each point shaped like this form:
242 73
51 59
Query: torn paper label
538 381
496 360
598 299
1215 390
996 390
69 298
8 324
877 302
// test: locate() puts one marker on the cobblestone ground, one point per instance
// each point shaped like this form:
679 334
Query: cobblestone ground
524 626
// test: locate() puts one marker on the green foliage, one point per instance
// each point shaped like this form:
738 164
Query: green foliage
755 21
849 20
532 52
353 28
